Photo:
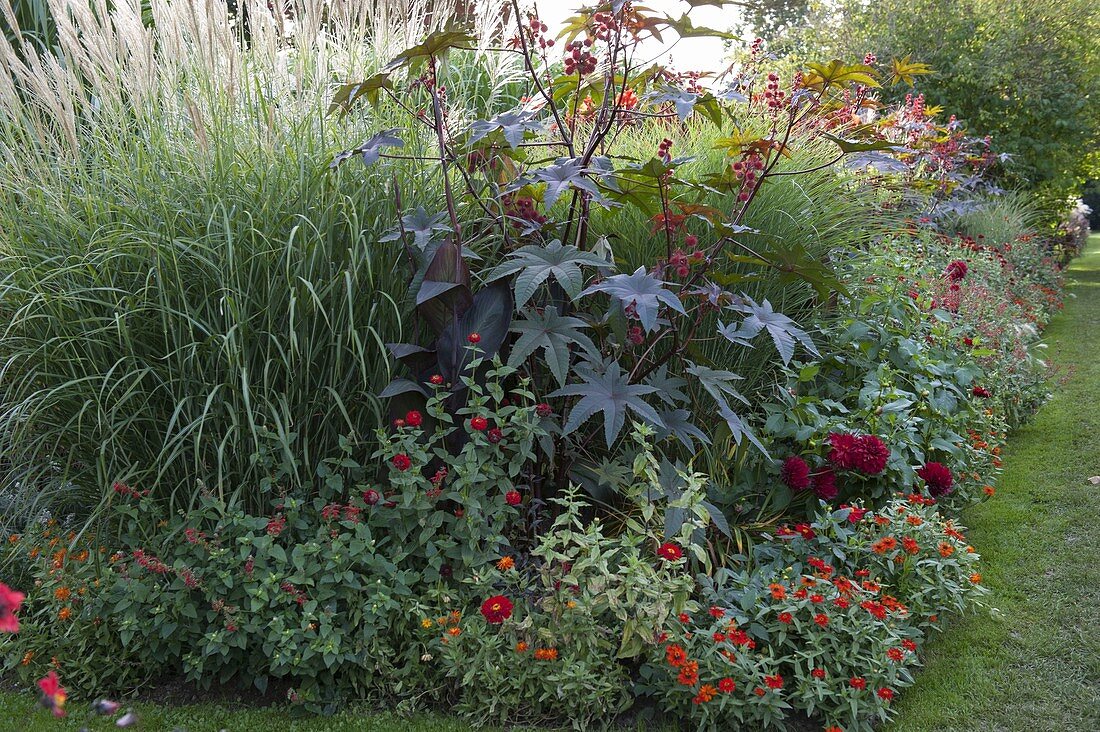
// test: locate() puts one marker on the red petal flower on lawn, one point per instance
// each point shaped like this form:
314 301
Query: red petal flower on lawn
795 473
885 694
497 609
53 695
937 477
10 600
670 552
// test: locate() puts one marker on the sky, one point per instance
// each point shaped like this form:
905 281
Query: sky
689 54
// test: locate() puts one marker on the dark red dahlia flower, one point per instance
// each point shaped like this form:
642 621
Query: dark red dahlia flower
795 473
497 609
870 455
843 449
956 270
937 477
824 485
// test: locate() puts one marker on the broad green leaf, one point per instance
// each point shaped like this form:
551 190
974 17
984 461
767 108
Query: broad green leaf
609 393
641 291
347 95
434 44
533 265
553 333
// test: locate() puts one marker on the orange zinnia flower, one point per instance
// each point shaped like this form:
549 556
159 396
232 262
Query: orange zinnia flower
505 564
946 549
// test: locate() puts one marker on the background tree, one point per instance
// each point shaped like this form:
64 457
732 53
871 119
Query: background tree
1026 73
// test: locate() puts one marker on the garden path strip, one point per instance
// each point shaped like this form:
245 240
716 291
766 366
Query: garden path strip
1035 666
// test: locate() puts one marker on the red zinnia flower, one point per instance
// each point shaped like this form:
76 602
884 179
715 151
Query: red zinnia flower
818 673
479 423
786 618
10 600
436 379
495 435
497 609
824 485
513 498
371 497
910 545
895 654
821 619
774 682
885 694
670 552
795 473
689 673
981 392
716 612
474 338
909 645
726 685
401 461
675 655
414 418
543 409
857 682
53 694
937 477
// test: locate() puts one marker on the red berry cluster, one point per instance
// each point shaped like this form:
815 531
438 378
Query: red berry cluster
578 58
538 32
521 211
664 150
772 93
746 171
681 262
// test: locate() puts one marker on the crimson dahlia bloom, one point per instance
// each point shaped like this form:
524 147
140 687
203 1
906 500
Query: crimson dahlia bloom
871 454
497 609
10 600
824 485
795 473
842 450
956 270
937 477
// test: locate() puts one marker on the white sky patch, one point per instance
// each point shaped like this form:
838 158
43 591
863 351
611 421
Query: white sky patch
688 54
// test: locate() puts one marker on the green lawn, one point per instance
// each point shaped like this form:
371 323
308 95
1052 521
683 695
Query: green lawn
1036 667
19 713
